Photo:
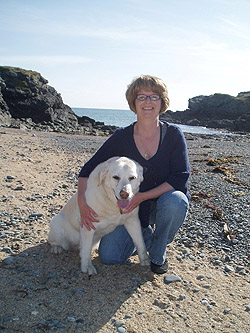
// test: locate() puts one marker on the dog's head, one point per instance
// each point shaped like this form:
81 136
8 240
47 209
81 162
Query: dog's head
121 178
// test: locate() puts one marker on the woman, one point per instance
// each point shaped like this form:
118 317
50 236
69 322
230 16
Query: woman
163 198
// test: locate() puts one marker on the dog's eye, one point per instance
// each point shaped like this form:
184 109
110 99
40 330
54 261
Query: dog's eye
132 178
116 177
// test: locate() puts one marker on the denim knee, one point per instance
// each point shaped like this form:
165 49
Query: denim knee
116 247
172 202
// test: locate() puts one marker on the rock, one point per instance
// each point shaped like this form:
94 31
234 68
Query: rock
229 269
28 102
36 215
8 261
5 116
171 278
215 111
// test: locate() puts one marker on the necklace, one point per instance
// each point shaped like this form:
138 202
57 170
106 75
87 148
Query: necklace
147 146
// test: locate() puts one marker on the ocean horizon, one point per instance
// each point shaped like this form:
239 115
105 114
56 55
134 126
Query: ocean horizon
123 118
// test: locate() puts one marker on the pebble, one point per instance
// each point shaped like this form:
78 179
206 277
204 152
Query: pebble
229 269
171 278
8 260
181 297
10 177
19 188
239 268
119 322
248 307
7 249
36 215
227 310
200 277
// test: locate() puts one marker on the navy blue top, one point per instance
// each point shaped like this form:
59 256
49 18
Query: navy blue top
170 163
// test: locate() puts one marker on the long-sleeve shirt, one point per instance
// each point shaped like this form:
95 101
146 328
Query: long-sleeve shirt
170 163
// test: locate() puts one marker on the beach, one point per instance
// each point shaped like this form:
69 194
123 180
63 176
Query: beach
206 287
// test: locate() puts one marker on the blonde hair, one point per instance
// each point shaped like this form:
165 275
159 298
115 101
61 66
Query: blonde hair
153 83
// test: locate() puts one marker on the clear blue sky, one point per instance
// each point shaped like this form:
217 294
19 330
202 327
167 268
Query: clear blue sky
89 50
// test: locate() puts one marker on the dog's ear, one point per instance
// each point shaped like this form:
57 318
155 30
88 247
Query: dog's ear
140 172
102 175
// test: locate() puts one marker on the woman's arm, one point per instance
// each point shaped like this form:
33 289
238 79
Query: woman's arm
151 194
87 214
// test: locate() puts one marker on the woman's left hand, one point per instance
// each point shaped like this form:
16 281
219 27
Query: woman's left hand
135 202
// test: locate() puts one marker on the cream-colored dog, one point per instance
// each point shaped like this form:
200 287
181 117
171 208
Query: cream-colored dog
110 187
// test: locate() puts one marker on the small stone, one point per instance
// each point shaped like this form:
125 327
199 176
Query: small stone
206 286
34 313
121 329
229 269
8 261
182 297
248 307
7 249
72 319
127 316
119 322
239 268
11 177
37 215
19 188
200 277
171 278
226 311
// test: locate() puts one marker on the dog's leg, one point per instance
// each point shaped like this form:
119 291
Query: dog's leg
86 240
134 229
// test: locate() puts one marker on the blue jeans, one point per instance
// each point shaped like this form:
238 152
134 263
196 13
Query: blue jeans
167 214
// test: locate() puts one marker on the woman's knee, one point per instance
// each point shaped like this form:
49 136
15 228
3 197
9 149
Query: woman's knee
173 201
116 247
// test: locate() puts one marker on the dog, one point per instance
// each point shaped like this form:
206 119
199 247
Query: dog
110 187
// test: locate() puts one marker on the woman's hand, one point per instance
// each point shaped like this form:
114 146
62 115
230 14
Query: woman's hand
88 216
135 202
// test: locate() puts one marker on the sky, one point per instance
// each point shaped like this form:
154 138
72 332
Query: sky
90 50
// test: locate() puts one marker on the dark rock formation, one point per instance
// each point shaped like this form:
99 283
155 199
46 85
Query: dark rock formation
5 116
26 100
216 111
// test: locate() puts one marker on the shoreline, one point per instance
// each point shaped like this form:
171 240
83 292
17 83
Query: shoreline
41 291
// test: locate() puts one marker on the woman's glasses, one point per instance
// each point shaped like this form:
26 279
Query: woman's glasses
152 98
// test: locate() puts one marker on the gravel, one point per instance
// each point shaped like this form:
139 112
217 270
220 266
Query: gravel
206 287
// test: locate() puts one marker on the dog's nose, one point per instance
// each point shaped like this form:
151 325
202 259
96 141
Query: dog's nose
124 194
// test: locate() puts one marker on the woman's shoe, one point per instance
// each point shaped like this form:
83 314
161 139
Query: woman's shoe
159 269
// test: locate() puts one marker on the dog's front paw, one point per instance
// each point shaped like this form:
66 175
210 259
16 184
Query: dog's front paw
90 269
56 249
145 261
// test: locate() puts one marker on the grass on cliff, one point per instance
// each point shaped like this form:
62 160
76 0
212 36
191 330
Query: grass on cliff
19 78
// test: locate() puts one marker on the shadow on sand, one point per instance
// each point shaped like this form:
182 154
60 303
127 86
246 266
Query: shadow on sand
43 292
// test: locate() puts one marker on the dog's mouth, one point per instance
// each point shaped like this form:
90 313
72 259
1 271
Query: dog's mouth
123 203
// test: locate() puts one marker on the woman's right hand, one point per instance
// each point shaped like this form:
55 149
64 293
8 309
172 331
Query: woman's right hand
88 216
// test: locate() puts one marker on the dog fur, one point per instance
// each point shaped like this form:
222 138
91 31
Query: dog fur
110 187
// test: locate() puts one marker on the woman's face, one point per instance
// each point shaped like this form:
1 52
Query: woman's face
147 104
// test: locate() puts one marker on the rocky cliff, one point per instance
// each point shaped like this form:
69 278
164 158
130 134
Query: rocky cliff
26 100
216 111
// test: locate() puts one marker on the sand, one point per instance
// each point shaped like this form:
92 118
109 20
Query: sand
44 292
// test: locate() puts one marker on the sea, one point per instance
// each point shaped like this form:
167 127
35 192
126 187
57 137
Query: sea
123 118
